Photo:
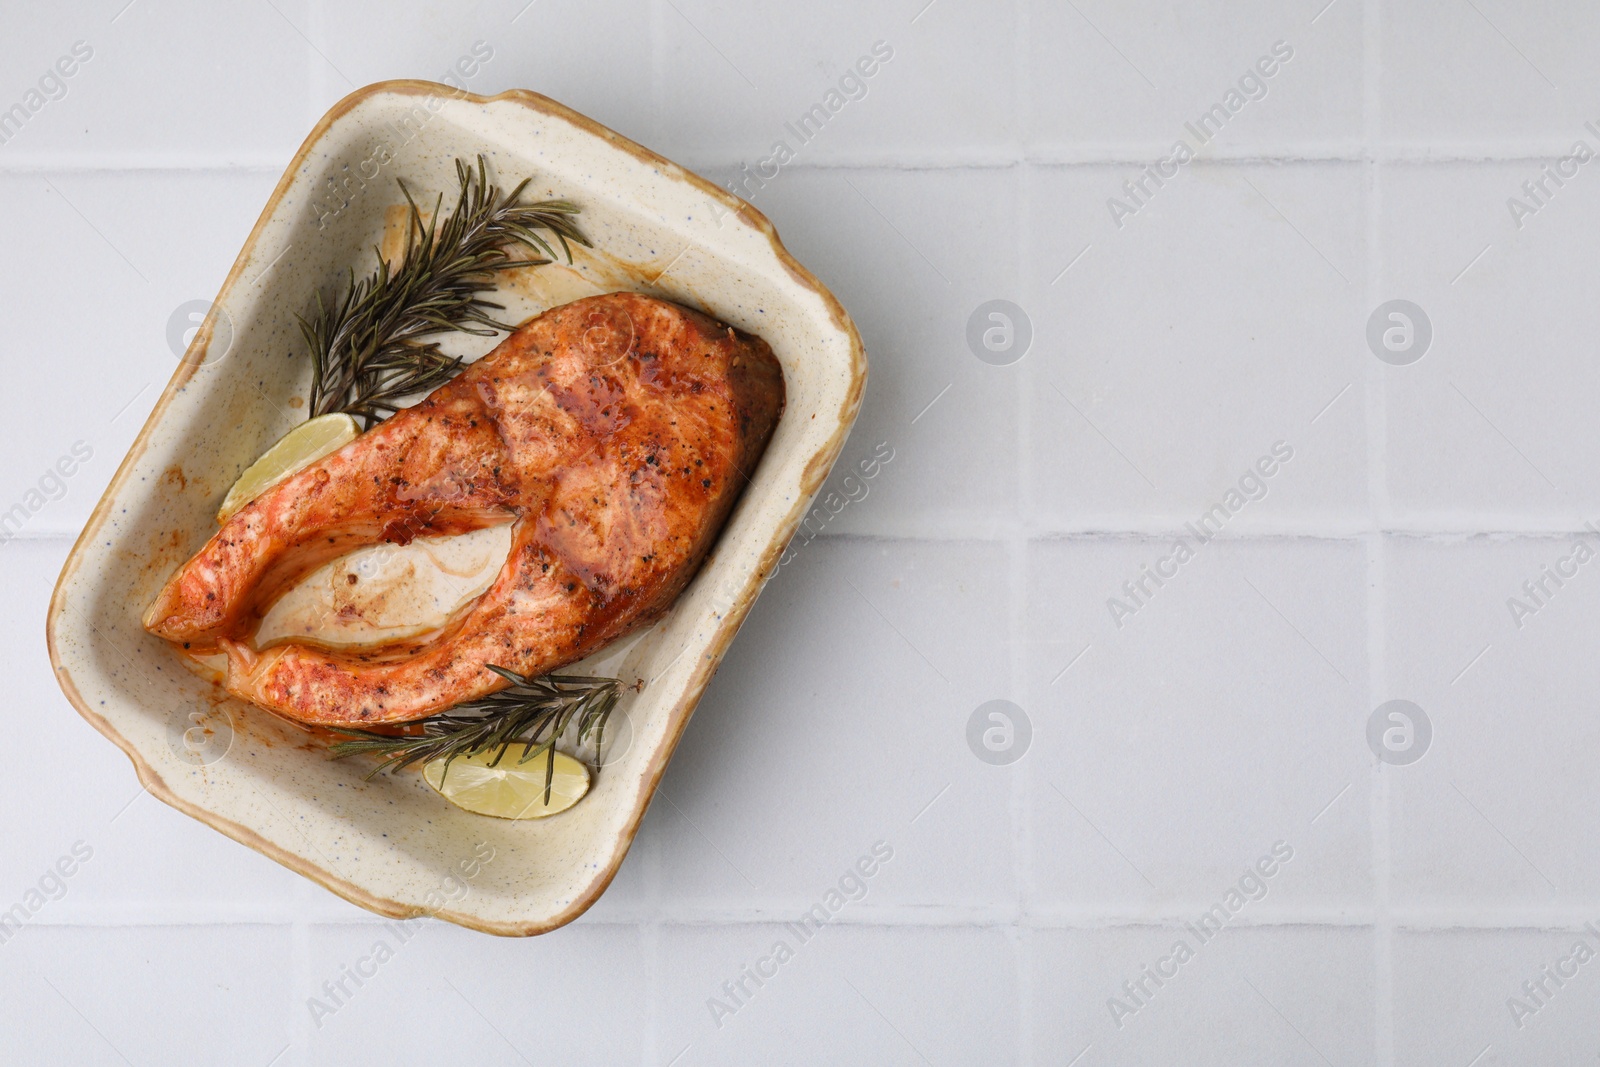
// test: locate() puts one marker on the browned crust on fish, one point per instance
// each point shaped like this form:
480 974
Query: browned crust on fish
615 432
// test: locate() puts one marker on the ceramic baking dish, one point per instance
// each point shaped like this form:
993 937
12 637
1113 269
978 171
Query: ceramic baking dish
393 845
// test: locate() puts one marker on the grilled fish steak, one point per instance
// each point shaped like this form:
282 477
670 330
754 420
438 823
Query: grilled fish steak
615 433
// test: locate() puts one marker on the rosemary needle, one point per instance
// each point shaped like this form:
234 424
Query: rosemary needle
369 348
531 712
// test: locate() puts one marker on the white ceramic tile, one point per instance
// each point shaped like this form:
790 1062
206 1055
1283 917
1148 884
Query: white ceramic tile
94 369
1495 817
155 861
1492 428
1165 755
150 81
1290 995
549 46
575 996
1224 716
145 994
1115 78
1454 991
733 75
884 242
846 994
1180 348
846 736
1477 76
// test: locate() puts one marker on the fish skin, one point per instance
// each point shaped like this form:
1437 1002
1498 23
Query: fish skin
615 433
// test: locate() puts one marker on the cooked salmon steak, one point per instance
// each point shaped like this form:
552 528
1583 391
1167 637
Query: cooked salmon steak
615 433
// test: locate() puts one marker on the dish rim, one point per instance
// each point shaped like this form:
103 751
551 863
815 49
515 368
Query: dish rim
812 477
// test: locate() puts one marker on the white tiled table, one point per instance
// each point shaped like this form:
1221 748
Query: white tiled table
1226 715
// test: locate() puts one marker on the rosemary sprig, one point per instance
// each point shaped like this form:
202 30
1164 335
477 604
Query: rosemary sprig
368 348
532 712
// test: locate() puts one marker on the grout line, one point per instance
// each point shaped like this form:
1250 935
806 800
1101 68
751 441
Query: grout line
142 164
1021 652
999 532
658 70
1377 503
1064 917
274 162
1380 813
300 970
650 936
1488 916
650 949
1140 155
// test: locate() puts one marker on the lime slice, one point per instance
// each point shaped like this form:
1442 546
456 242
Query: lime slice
295 451
509 790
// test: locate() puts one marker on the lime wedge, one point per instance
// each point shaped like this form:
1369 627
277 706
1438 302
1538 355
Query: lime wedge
509 790
295 451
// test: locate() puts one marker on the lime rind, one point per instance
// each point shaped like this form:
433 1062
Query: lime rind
508 789
294 452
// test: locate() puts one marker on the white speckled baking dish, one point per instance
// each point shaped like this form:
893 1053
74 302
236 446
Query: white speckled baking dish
392 845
